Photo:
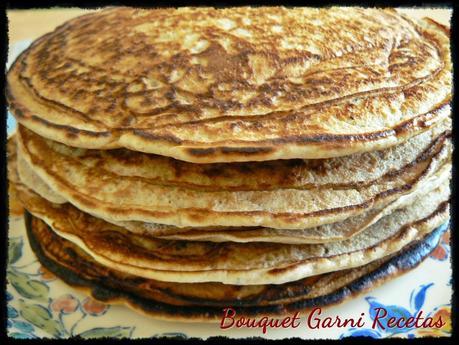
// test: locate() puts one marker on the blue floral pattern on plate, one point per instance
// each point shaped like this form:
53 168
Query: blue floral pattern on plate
382 327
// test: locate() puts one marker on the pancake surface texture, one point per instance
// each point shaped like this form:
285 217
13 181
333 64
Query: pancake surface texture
237 263
320 234
204 301
273 159
240 84
124 186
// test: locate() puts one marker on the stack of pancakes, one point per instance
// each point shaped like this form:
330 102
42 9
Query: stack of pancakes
186 160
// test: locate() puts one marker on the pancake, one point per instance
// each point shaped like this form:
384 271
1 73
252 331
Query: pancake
15 207
32 180
117 192
321 234
11 155
349 171
236 263
211 85
204 301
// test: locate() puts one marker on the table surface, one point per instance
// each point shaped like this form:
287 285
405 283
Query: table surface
31 24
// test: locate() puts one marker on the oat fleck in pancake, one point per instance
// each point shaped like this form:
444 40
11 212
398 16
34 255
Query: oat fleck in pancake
240 84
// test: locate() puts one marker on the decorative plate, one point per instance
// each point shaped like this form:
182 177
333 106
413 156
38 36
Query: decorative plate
41 306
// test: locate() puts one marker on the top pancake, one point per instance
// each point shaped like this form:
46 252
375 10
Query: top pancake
240 84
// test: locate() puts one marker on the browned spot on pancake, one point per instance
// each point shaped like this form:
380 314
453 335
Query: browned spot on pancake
201 152
153 137
230 150
246 150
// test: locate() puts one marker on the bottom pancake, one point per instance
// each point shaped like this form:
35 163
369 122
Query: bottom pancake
205 301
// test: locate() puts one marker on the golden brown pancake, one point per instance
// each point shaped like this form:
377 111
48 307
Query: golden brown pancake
118 192
204 301
14 205
323 138
321 234
237 263
238 84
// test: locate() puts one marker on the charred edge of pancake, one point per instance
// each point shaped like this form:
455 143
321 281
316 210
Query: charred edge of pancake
411 257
